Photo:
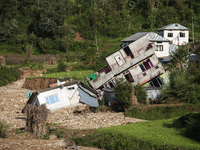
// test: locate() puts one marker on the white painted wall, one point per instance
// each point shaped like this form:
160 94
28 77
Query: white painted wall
182 40
135 71
111 59
165 52
135 46
62 96
73 95
154 60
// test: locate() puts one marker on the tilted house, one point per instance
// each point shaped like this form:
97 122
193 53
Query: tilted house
164 46
176 33
64 95
136 62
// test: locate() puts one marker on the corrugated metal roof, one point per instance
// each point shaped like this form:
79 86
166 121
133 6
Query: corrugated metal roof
173 27
172 48
87 99
151 36
134 37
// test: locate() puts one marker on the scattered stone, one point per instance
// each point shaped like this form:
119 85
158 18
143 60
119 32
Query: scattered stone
52 137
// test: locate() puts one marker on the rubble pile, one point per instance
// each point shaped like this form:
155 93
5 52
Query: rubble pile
13 99
91 120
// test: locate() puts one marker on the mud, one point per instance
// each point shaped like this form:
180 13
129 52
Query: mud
38 83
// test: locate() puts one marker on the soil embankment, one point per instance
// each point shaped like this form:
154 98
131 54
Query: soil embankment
38 83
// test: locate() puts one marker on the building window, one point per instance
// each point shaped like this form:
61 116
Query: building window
159 47
176 25
129 77
128 52
182 34
170 34
71 88
142 67
52 99
146 65
149 46
157 82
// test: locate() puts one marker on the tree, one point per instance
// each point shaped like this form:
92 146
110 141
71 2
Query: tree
8 30
179 58
123 92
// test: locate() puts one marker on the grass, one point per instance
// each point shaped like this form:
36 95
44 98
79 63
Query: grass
4 127
76 75
141 135
71 74
160 112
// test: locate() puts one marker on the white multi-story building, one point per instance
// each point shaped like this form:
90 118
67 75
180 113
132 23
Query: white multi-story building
176 33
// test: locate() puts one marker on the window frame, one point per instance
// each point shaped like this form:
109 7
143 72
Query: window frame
182 35
49 100
170 34
161 48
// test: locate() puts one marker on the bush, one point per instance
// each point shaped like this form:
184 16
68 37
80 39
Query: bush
61 66
26 63
159 112
4 129
140 93
184 86
123 92
8 75
37 66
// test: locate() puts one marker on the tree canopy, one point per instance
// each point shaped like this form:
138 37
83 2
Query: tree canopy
55 22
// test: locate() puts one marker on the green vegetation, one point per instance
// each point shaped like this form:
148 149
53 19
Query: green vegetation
61 66
142 135
189 124
8 75
160 112
140 93
123 92
184 78
54 129
4 126
69 27
76 75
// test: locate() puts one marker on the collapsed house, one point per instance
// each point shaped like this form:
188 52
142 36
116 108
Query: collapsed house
64 95
136 62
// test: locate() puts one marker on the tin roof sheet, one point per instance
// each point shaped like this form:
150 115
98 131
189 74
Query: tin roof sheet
174 27
172 48
152 36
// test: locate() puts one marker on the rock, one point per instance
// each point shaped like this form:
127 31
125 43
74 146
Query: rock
52 137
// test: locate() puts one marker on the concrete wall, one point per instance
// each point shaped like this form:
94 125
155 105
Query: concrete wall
154 60
135 46
165 51
73 94
135 71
